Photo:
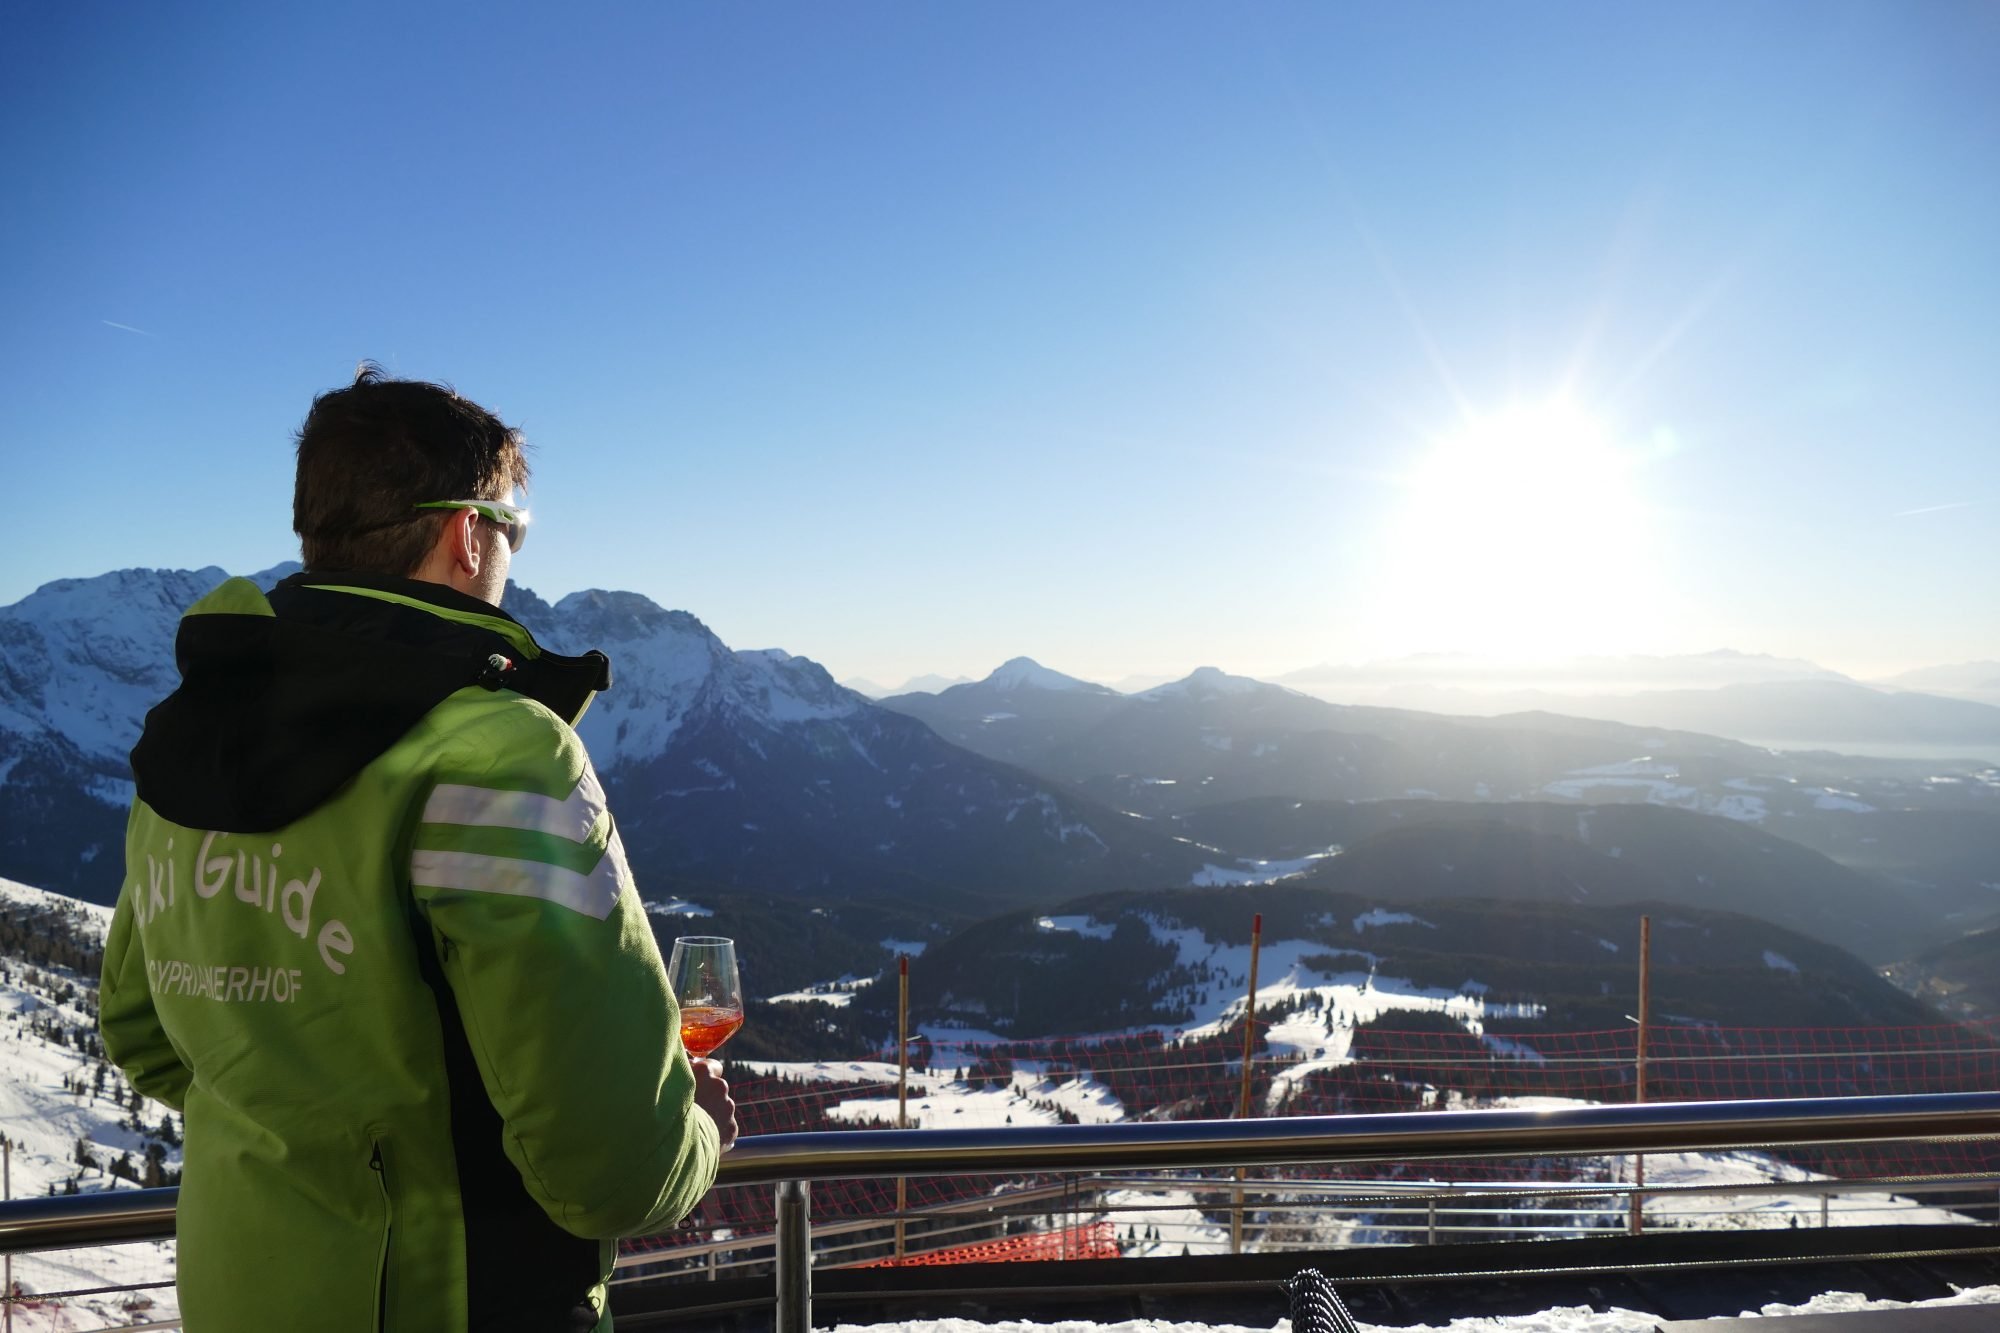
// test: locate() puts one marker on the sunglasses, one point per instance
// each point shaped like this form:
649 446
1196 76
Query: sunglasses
510 519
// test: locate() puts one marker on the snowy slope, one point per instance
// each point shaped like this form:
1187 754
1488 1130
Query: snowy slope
51 1101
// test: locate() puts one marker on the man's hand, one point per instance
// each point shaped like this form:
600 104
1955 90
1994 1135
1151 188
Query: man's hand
711 1094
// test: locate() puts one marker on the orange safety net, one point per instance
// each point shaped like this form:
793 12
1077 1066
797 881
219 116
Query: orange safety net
1092 1240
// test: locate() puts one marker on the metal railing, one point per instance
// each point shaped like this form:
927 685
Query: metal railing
789 1161
1395 1212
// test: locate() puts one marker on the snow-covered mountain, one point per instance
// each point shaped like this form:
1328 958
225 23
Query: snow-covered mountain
81 660
756 768
747 768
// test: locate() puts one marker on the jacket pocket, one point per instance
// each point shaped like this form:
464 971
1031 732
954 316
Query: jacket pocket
381 1171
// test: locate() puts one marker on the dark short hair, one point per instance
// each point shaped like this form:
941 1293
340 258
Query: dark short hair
371 452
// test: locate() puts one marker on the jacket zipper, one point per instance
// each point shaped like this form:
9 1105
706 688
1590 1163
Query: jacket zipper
388 1229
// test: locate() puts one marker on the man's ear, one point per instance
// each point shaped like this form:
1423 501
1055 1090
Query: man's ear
464 540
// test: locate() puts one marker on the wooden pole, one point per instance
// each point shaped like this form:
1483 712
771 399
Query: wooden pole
1645 1005
1249 1049
902 1085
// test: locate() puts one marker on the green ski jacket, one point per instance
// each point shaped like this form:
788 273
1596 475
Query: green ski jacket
378 943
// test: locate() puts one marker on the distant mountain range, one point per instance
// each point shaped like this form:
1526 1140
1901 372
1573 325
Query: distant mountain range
1800 714
1214 738
1749 697
916 684
1252 771
1380 681
744 779
728 769
1978 681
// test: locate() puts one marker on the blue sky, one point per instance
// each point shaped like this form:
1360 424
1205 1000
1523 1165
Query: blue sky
912 337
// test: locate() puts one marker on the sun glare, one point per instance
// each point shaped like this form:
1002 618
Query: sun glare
1523 536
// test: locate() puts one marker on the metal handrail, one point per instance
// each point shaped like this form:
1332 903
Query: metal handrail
1371 1197
136 1215
1404 1136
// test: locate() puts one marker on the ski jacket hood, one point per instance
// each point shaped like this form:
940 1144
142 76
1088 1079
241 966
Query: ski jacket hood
284 698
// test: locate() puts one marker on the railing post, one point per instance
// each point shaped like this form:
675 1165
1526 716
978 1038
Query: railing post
1431 1223
794 1257
1824 1209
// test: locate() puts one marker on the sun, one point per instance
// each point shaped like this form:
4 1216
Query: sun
1522 536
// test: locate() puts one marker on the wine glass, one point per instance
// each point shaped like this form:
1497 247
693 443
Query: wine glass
702 971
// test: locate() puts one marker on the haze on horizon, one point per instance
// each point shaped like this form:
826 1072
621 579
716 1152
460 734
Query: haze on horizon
1131 339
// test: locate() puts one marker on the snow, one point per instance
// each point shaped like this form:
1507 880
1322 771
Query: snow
1025 673
1180 1223
1558 1319
1747 809
1659 790
1327 1007
96 918
108 643
1207 683
1030 1097
914 948
671 667
1515 1050
45 1120
1250 871
834 1071
1829 799
678 907
1086 926
838 993
1382 917
939 1101
1654 784
1777 962
1644 766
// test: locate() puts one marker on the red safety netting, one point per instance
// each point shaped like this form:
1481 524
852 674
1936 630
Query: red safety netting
1091 1240
1406 1062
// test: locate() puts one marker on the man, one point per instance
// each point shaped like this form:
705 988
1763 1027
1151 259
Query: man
377 939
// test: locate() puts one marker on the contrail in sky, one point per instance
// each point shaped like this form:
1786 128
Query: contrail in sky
128 328
1932 509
